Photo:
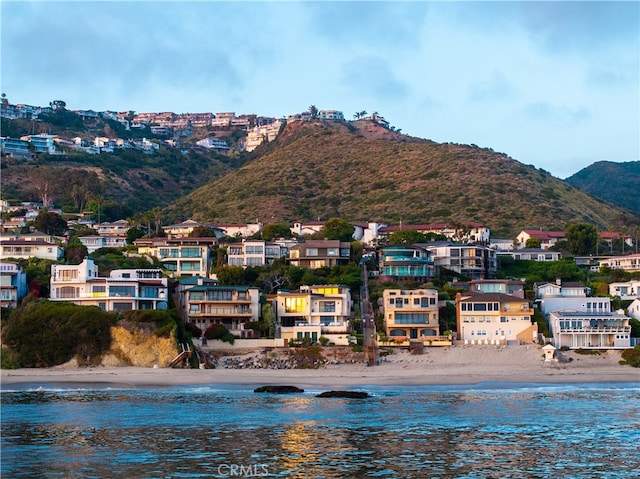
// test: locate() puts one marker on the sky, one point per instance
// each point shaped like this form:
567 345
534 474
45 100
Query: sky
551 84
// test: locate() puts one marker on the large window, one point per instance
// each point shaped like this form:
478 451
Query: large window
412 318
150 292
67 292
122 291
295 305
254 249
312 251
68 274
191 252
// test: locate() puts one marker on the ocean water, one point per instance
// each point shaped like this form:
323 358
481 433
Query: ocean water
485 431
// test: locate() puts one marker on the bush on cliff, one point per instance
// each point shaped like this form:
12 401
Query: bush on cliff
44 333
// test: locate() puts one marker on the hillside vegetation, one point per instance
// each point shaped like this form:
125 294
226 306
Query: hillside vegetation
363 172
617 183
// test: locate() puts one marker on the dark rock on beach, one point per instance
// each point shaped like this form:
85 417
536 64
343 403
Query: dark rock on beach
278 389
344 394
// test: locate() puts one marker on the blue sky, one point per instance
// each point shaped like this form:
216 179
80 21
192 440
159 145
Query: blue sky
552 84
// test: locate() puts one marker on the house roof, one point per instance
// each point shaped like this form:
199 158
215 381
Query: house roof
474 297
544 235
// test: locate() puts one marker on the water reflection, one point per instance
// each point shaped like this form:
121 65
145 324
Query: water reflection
187 432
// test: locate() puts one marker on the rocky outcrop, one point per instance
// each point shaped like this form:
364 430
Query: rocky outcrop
275 389
344 394
137 347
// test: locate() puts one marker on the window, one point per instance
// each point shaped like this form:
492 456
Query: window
191 252
332 251
67 292
295 305
312 251
122 291
327 306
149 292
412 318
254 249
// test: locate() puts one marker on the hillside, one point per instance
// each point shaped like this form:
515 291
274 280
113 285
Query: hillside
361 171
617 183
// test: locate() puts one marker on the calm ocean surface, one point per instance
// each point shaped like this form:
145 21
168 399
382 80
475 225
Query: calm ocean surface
487 431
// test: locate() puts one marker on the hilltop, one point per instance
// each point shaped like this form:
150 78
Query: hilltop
358 170
617 183
362 171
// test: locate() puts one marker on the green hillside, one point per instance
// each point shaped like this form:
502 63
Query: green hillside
363 172
617 183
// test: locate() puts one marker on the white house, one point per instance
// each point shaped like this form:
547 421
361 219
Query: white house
124 289
634 309
590 330
627 290
21 249
627 263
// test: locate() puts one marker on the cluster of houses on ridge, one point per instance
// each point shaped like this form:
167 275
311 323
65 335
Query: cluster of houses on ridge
489 311
167 125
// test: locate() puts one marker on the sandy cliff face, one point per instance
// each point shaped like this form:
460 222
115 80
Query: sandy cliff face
136 347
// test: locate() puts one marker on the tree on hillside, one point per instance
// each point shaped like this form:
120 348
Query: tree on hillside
275 230
50 223
44 180
407 237
4 100
582 238
337 229
533 243
313 111
75 251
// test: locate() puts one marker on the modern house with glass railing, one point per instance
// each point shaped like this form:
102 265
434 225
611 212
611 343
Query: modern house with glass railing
314 311
122 290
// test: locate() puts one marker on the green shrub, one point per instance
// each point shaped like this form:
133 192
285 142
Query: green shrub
8 359
631 357
323 340
45 333
216 331
588 352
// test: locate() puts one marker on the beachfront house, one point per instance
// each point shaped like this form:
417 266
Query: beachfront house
122 290
590 329
205 303
313 312
494 318
410 314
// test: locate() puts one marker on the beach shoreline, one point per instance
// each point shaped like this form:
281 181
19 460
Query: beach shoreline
457 365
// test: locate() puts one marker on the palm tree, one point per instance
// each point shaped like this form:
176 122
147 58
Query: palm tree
314 111
356 115
157 218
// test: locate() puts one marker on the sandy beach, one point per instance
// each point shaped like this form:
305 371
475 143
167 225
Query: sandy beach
437 366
